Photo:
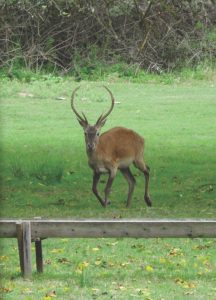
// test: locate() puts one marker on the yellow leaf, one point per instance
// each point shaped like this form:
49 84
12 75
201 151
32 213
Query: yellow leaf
95 290
185 284
121 287
27 291
124 264
65 240
57 251
163 260
95 249
149 268
85 264
182 263
175 252
47 298
189 293
4 257
98 262
112 244
82 266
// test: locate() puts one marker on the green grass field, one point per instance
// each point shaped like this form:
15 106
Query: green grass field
45 173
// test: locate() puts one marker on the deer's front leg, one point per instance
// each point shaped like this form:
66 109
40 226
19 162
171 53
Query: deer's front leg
96 178
107 190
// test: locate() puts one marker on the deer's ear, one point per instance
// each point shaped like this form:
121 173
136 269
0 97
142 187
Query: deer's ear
83 123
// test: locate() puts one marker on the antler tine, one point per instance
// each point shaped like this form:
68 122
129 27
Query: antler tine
112 105
85 117
73 108
102 117
99 119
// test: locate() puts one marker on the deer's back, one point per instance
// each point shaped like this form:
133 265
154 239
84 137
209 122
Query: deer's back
121 143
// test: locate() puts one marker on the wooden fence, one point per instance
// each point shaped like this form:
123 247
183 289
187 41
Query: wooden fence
35 230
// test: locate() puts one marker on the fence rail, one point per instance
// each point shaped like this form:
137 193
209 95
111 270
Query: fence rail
34 230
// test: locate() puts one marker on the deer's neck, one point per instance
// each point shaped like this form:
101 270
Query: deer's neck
94 159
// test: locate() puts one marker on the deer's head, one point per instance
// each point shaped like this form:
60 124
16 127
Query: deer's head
92 132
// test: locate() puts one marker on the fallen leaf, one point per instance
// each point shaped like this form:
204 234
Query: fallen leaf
64 260
124 264
47 262
57 250
189 293
3 257
201 247
185 284
95 290
112 244
121 287
81 267
175 252
27 291
163 260
149 268
95 249
51 294
98 262
6 289
65 240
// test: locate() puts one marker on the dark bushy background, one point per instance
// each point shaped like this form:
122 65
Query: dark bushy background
71 34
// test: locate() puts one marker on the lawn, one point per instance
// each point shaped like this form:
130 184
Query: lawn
45 173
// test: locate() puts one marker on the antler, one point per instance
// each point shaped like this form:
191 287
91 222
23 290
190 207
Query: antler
104 116
80 118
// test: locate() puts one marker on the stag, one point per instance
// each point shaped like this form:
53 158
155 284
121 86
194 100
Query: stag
115 149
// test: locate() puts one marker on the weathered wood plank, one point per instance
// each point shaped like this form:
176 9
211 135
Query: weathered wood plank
123 228
8 228
143 228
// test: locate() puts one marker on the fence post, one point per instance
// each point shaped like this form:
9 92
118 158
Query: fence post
24 245
19 230
39 255
38 251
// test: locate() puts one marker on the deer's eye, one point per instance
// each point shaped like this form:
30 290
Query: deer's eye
97 133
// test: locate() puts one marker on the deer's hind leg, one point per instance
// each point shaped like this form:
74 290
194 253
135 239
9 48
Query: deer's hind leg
139 163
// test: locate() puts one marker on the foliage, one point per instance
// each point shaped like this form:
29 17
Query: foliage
77 36
120 72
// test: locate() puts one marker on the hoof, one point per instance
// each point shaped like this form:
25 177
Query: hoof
103 203
148 201
107 203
